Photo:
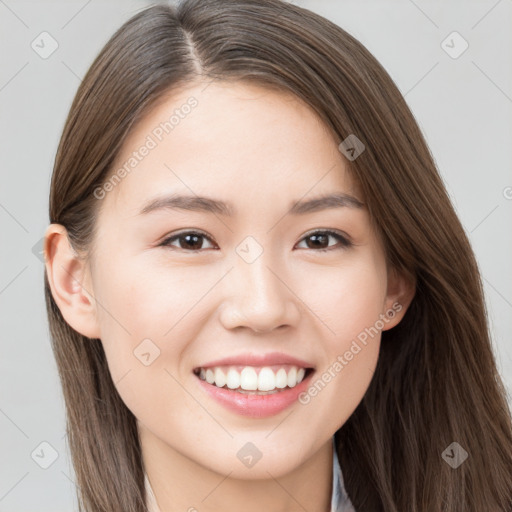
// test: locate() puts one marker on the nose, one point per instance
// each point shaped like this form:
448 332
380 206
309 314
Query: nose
259 297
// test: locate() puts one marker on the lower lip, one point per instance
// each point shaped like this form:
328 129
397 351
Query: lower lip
255 406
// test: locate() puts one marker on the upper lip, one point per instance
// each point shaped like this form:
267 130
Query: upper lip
269 359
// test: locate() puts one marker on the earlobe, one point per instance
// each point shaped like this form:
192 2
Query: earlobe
400 292
69 283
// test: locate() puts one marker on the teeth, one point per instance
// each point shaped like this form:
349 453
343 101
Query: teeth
266 379
233 379
249 380
220 378
292 376
210 376
281 378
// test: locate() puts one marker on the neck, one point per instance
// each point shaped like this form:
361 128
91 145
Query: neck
182 484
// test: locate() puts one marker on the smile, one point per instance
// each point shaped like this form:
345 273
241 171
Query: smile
256 392
250 378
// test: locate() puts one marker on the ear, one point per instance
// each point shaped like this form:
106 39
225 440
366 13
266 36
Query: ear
70 282
400 292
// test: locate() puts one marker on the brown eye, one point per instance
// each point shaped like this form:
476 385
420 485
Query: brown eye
319 240
190 241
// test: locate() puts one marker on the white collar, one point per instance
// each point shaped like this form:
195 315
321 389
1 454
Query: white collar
340 502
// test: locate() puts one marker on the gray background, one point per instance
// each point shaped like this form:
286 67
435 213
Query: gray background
463 106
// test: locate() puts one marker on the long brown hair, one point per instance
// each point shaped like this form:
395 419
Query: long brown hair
436 380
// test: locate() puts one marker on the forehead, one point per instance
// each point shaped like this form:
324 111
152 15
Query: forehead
231 140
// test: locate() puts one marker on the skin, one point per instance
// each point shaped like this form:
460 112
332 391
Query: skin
260 150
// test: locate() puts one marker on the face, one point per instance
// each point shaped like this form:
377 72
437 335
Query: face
174 289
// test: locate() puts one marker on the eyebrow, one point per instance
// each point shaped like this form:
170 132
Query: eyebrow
216 206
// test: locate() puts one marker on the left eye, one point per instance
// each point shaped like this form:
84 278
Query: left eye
193 240
318 237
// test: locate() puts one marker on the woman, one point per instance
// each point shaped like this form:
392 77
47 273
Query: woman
216 350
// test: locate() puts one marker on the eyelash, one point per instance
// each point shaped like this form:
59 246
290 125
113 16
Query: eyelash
344 243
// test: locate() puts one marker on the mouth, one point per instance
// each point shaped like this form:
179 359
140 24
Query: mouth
252 380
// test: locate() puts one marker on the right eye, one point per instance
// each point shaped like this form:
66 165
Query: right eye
190 241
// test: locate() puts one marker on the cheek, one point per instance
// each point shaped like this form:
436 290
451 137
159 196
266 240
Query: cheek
347 299
145 297
145 310
348 302
360 300
146 323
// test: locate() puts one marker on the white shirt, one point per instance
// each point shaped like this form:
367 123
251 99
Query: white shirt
340 502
